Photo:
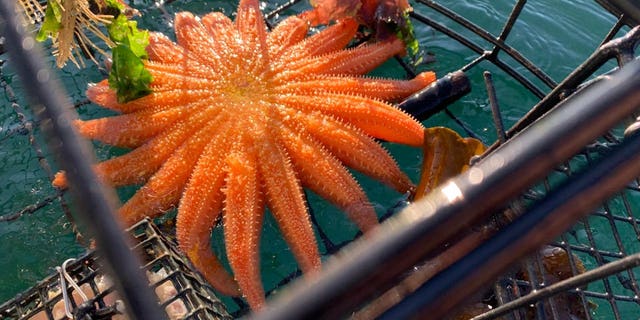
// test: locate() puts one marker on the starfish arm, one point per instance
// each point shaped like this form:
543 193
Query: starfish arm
100 93
374 117
164 188
358 60
252 31
325 175
286 34
103 95
243 216
162 50
224 37
383 89
220 27
60 180
167 79
165 53
139 164
128 130
285 199
330 39
356 150
197 41
365 58
222 30
199 210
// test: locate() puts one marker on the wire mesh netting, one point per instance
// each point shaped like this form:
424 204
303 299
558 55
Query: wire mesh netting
180 291
505 38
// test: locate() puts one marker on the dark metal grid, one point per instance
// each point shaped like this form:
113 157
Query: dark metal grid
554 92
499 44
180 290
609 290
488 55
25 127
623 51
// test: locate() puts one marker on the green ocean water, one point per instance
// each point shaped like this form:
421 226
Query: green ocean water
556 35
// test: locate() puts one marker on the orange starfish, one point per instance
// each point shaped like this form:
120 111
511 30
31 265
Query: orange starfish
241 118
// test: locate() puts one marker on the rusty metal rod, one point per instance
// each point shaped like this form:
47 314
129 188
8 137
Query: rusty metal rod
574 282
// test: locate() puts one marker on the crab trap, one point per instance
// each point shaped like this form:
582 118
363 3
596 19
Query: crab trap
545 224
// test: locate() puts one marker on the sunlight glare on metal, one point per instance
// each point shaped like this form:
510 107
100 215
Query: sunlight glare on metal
452 192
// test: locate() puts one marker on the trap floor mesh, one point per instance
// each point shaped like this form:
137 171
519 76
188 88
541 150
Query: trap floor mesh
181 292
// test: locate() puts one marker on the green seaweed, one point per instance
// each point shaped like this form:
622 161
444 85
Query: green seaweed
128 74
405 32
52 21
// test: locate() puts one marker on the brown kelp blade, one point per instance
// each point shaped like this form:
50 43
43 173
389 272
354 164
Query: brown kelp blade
446 154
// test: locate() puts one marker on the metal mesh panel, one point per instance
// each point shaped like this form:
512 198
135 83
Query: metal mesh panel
593 242
182 293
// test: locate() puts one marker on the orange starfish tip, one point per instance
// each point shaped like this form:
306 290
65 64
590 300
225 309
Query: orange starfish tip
214 271
425 78
100 93
60 180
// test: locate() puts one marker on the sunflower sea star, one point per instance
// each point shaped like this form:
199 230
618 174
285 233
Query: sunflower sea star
241 118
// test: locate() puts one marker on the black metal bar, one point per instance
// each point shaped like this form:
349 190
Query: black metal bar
374 262
628 9
495 108
506 29
95 202
281 8
580 74
515 54
437 96
544 222
484 55
612 32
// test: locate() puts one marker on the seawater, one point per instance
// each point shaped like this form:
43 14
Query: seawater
556 35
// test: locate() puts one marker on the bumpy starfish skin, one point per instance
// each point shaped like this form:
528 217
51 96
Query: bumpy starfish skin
241 119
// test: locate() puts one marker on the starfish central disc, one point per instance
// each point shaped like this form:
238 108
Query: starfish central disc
247 87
